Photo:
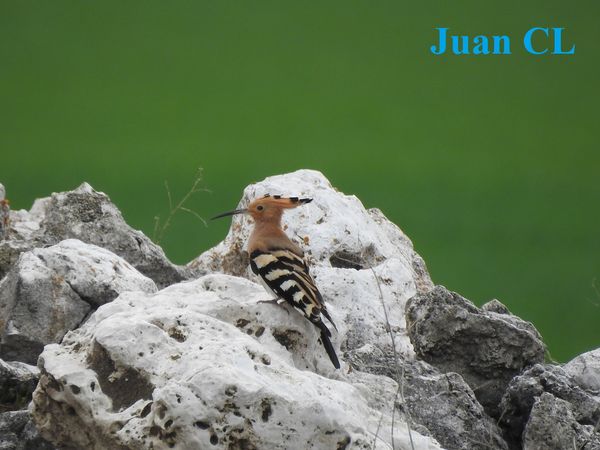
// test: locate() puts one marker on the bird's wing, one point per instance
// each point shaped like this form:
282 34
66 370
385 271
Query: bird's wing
287 275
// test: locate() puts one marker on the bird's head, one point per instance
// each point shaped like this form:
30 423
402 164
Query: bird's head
268 208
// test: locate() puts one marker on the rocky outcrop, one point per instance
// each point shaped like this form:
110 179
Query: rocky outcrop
361 261
447 407
552 425
50 291
551 389
216 327
335 230
206 364
203 364
487 348
18 432
584 370
17 382
498 355
91 217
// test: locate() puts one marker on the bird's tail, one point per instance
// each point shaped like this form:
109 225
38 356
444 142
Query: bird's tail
325 339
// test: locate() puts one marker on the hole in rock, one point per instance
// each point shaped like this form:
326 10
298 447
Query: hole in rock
290 339
267 410
146 410
241 323
343 444
242 438
201 424
124 390
177 333
346 259
161 411
230 391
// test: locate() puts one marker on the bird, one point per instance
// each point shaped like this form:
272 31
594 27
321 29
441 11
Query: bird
280 265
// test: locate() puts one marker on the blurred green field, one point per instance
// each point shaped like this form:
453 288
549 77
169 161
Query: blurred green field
490 164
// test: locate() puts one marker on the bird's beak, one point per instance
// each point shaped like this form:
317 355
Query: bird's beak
230 213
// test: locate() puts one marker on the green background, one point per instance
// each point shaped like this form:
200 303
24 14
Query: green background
490 164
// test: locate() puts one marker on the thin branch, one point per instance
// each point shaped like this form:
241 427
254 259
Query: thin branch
597 291
195 214
159 231
400 370
169 195
377 431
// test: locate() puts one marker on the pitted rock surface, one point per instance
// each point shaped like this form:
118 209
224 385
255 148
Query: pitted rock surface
487 348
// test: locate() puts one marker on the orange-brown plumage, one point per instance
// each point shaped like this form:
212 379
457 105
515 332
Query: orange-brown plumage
280 264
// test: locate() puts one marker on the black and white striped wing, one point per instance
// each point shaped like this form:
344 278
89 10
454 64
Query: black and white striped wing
287 275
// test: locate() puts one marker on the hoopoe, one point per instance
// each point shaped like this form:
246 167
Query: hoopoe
280 263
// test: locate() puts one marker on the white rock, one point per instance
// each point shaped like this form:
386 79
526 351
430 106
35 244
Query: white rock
585 370
335 229
91 217
51 290
19 370
205 365
202 364
339 236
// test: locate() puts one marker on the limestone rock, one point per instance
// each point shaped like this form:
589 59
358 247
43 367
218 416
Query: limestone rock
360 260
203 364
524 390
435 404
91 217
52 290
585 370
487 348
446 407
17 432
495 306
335 230
553 426
17 382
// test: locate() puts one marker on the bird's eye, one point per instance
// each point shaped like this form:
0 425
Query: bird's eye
260 207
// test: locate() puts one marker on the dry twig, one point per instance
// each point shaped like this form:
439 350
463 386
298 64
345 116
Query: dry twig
160 229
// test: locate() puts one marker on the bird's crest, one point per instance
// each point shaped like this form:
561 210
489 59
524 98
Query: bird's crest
268 208
280 201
